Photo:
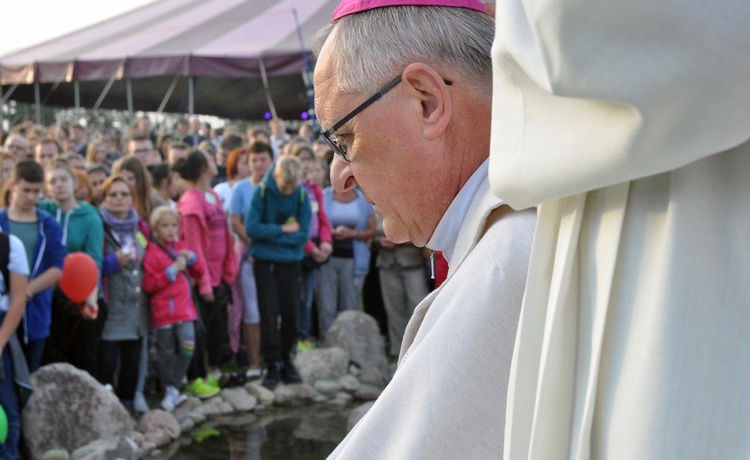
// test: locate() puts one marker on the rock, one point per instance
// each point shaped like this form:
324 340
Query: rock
137 437
159 420
321 398
70 409
239 399
283 395
187 424
359 334
349 383
303 391
56 454
263 394
367 393
336 402
106 449
357 413
158 437
322 363
372 376
344 396
328 387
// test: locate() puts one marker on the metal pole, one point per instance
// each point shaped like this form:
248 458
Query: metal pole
168 94
308 70
264 78
2 107
191 95
76 95
129 91
37 101
104 92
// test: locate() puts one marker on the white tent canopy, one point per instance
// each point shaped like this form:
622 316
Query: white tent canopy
196 56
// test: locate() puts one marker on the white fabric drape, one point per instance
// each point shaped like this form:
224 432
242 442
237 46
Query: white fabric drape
629 122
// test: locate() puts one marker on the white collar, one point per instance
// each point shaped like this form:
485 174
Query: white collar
446 233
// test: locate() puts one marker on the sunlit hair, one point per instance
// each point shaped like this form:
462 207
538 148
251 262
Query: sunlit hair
160 213
63 166
289 170
234 157
298 149
82 181
91 152
110 181
142 193
373 47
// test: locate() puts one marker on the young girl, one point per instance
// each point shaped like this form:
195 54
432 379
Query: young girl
172 309
73 339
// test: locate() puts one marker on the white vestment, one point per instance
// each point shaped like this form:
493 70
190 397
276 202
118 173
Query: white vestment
629 122
447 398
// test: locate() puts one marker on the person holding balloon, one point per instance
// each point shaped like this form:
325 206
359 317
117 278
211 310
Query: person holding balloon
127 307
169 267
74 338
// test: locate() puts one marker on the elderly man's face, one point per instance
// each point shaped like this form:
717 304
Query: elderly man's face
385 150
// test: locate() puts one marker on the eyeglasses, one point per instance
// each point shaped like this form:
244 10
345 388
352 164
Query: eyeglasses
116 194
340 147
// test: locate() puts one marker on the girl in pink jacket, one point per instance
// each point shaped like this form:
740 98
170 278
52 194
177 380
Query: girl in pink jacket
168 266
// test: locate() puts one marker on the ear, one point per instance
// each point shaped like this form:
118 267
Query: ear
432 94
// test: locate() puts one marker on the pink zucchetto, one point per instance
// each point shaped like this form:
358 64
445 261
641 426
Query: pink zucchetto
347 7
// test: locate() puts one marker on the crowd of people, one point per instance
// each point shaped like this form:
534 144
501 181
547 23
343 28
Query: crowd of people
212 245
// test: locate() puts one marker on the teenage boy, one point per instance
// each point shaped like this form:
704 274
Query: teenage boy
41 236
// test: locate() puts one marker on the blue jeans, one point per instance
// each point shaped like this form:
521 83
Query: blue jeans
9 401
34 350
309 278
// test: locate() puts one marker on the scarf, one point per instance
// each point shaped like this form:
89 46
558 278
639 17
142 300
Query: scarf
123 228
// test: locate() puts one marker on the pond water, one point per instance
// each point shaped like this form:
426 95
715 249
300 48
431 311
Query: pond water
302 433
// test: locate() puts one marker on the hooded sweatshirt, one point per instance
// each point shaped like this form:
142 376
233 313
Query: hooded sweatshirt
269 210
48 252
82 229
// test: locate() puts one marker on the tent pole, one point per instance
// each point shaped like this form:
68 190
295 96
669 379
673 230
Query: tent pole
129 90
264 77
76 95
191 95
2 107
308 69
37 101
105 91
168 95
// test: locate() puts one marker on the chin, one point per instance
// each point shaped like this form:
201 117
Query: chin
396 232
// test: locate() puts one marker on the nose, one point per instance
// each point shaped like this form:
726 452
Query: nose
342 177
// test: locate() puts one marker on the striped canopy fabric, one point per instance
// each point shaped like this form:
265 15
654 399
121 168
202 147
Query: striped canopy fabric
223 45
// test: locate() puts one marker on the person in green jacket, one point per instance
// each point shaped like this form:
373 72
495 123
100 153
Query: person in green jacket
75 337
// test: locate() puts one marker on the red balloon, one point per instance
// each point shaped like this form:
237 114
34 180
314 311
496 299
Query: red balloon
80 276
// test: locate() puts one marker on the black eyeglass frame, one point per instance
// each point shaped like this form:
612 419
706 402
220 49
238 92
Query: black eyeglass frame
330 138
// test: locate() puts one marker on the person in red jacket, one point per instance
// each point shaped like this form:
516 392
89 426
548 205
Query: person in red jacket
168 266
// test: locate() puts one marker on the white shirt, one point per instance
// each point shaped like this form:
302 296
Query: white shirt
446 233
18 263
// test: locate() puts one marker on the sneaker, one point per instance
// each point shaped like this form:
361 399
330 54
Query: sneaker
272 377
172 399
139 403
253 374
305 345
289 374
201 389
212 380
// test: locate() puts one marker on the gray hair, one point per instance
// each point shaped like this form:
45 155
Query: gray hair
374 46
